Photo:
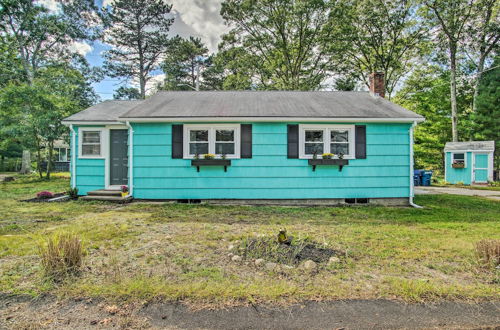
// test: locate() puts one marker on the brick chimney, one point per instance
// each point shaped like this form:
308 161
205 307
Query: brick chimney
377 84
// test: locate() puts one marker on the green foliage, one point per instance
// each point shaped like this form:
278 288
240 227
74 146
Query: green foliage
487 115
282 44
182 62
426 91
127 93
383 36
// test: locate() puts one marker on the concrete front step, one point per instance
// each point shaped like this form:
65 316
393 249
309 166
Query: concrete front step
103 192
115 199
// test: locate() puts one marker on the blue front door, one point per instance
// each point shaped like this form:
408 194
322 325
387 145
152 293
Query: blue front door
118 157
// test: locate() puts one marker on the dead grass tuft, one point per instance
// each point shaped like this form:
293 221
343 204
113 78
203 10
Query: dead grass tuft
61 256
488 252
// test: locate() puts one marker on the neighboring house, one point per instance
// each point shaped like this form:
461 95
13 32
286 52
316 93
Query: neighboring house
469 162
268 139
61 158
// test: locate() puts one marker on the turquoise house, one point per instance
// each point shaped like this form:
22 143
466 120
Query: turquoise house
469 162
267 148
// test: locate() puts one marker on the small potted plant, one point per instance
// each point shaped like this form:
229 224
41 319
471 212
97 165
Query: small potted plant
124 190
196 156
315 155
341 156
327 155
208 156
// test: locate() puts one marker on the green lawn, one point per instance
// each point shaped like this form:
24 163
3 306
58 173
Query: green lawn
142 251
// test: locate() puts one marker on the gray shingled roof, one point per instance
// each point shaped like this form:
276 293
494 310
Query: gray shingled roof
470 145
105 111
268 104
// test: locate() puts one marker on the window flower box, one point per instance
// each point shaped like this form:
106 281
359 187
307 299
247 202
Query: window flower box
210 162
458 165
331 162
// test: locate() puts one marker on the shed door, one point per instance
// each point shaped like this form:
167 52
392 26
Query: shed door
480 168
118 157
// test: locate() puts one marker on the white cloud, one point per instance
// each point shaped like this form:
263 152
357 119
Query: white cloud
81 48
199 18
51 5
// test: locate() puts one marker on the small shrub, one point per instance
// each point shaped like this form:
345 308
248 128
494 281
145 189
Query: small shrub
61 256
45 195
73 193
488 252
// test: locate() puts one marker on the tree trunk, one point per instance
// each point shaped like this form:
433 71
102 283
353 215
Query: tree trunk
453 90
2 163
26 162
49 160
480 69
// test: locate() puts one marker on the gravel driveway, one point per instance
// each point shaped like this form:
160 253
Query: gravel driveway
421 190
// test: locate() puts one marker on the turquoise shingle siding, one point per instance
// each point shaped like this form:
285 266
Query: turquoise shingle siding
459 175
89 172
269 174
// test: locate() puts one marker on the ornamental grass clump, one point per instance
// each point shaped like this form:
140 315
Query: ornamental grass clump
488 252
61 256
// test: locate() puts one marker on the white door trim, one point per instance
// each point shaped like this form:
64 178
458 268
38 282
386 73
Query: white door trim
107 157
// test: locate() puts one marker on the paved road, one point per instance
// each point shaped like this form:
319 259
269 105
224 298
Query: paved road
494 195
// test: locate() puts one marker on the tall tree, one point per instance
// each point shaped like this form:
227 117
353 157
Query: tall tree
384 36
184 63
138 33
290 38
426 91
483 35
487 115
42 37
451 16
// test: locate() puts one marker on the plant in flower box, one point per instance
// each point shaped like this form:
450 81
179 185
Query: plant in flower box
124 190
327 155
208 156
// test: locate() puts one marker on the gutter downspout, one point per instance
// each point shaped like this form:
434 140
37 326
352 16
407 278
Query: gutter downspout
412 192
131 159
73 156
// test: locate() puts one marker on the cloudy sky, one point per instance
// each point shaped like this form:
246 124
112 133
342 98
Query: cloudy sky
198 18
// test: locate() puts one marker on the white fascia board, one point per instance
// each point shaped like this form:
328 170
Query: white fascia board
68 123
275 119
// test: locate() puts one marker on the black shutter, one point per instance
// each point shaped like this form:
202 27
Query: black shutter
360 141
177 141
293 141
246 141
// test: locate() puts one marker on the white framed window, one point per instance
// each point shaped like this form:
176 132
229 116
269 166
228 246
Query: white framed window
218 139
320 139
459 158
63 154
90 142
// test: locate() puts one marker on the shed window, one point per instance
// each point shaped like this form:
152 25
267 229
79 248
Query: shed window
214 139
91 143
458 158
319 139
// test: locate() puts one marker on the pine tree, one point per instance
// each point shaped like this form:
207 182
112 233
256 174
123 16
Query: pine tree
139 35
487 116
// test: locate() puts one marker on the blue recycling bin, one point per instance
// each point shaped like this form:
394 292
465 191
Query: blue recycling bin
426 178
417 177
